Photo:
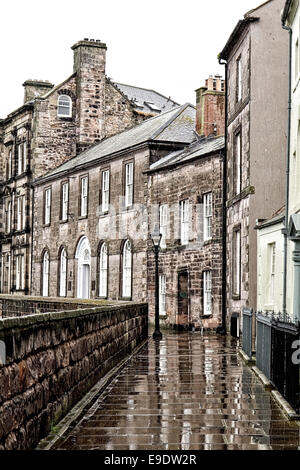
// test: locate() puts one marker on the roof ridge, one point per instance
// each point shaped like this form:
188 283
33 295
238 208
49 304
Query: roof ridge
149 89
257 8
134 126
166 124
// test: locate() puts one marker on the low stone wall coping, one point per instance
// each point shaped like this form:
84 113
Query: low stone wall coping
26 320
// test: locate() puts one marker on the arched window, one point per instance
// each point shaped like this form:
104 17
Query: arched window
127 261
83 255
64 106
103 271
63 273
45 291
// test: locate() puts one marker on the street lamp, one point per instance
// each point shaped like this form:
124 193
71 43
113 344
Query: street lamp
156 238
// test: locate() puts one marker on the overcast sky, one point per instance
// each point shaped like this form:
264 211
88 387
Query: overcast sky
168 45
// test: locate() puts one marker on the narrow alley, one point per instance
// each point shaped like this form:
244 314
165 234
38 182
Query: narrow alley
186 392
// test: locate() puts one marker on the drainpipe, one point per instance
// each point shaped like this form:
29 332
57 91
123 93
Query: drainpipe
222 329
285 230
32 230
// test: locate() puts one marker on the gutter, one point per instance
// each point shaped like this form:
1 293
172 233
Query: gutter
222 329
286 223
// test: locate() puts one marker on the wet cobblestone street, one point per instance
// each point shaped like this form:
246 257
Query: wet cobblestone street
186 392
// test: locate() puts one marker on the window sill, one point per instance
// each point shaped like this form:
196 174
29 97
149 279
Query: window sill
236 297
163 316
64 221
208 241
104 213
82 217
65 118
127 299
46 225
21 175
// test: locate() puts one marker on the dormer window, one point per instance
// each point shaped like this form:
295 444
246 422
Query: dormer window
64 106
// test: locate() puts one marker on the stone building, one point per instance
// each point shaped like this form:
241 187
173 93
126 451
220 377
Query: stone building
256 115
54 124
185 188
90 214
93 216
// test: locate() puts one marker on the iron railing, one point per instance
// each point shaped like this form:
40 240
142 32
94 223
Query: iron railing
264 342
247 331
277 339
285 366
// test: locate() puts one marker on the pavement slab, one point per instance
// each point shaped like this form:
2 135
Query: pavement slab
185 392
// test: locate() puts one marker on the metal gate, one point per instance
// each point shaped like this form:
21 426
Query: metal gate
247 331
264 343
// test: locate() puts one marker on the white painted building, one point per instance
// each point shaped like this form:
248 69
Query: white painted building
291 19
270 248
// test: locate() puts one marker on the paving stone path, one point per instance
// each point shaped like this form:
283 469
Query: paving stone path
186 392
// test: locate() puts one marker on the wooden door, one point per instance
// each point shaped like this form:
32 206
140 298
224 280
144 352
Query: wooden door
183 299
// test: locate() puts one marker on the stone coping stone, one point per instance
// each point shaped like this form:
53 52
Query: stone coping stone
34 319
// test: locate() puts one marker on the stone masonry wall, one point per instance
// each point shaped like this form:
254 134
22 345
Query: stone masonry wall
189 181
16 306
53 359
238 205
112 227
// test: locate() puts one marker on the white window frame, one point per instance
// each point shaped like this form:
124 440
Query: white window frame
127 270
239 79
207 295
184 222
47 206
45 274
65 201
103 271
129 184
24 156
23 212
64 102
8 218
162 294
272 271
237 163
19 272
19 212
20 159
207 214
163 224
63 273
105 190
84 196
10 163
237 262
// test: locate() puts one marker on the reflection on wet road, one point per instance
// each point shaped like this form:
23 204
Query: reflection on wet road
186 392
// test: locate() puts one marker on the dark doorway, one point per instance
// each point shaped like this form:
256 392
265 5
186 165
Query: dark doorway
183 300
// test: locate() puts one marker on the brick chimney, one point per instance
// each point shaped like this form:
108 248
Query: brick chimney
35 88
89 65
210 107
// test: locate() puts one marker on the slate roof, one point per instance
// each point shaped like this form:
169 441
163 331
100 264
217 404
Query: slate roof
275 219
147 101
201 148
176 125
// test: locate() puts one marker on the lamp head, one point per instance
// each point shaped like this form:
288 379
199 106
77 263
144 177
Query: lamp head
156 237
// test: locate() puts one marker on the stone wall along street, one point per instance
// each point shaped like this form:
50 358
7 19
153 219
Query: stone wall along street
53 359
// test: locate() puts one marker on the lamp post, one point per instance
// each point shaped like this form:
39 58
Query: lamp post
156 238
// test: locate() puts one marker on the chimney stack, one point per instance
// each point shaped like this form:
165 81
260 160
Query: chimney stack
210 107
89 66
35 88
